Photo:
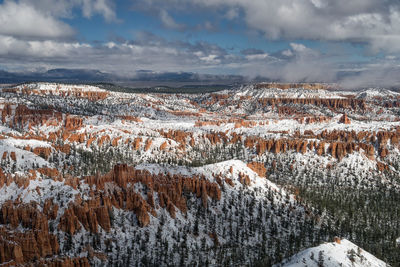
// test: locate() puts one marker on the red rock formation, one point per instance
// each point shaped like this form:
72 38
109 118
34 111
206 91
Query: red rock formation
321 148
136 143
304 147
64 148
344 119
244 179
29 117
73 122
370 152
90 141
383 152
229 181
103 217
33 243
114 142
163 146
50 172
177 135
258 168
130 118
149 141
381 166
69 222
42 151
50 209
169 188
103 139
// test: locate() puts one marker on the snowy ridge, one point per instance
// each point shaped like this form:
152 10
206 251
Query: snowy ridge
377 92
251 91
42 86
333 254
223 168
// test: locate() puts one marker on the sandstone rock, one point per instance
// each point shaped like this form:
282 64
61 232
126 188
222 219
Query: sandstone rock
163 146
136 143
50 172
258 168
229 181
43 152
103 218
149 141
69 222
13 156
381 166
383 152
114 142
344 119
73 122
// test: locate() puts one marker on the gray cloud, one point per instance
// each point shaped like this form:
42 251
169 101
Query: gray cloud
299 63
148 51
376 22
376 75
33 37
169 21
64 8
252 51
155 53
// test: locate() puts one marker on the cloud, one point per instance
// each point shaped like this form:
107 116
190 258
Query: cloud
297 64
169 22
148 51
66 8
232 13
23 20
207 26
152 52
252 51
375 22
383 73
102 7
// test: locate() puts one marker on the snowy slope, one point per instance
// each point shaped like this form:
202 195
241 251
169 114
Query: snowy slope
377 92
285 93
334 254
43 86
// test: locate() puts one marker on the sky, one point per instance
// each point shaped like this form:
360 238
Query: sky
289 40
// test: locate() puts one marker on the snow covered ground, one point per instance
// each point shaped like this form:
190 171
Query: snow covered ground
285 93
214 136
345 254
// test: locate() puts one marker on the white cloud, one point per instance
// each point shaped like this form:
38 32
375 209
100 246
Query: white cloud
257 57
11 47
23 20
287 53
